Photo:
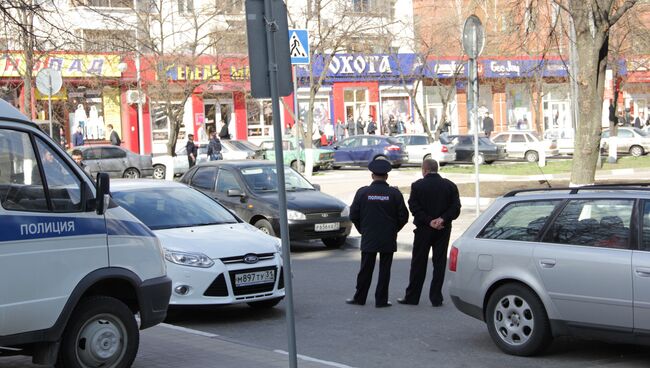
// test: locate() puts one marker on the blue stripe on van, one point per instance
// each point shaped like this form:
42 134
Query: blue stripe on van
14 228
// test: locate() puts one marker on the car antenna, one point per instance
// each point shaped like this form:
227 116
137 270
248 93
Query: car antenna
548 183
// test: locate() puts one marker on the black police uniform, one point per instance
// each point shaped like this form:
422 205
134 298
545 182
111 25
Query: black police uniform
431 197
190 148
378 212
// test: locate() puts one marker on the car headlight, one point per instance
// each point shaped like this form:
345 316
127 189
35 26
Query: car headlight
295 215
188 259
345 212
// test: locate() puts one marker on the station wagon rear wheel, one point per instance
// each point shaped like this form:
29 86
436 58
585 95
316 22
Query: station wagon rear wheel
159 172
636 151
131 173
531 156
517 321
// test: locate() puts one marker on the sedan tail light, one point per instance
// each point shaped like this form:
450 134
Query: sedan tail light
453 259
393 148
444 149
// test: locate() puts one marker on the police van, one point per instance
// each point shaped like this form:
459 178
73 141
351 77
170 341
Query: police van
75 268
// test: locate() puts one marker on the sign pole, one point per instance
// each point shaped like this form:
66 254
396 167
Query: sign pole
49 103
296 119
271 29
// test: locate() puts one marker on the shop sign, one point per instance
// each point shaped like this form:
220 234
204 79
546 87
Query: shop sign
198 72
355 67
70 65
530 68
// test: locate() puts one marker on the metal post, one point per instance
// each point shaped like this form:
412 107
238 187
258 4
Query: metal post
279 165
296 119
473 72
49 100
138 81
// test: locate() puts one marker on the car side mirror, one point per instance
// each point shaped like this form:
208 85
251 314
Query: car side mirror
336 147
103 190
234 193
316 186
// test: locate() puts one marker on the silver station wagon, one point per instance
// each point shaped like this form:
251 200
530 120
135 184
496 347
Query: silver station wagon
545 263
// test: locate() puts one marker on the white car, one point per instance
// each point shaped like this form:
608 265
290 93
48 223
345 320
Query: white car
181 165
420 146
564 139
212 256
525 144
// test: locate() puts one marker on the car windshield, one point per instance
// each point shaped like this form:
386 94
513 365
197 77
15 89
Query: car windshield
169 208
265 179
641 132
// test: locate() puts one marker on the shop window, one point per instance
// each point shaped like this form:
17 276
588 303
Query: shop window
259 118
185 6
109 3
519 109
96 40
321 111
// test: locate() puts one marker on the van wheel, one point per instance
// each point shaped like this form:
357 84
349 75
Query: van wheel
531 156
131 173
265 304
159 172
265 227
102 332
517 321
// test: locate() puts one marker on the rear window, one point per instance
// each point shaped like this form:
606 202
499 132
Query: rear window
521 221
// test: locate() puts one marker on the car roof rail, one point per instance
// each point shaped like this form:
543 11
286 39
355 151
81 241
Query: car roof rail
575 190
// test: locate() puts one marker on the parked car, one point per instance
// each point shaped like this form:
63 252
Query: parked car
525 145
359 150
181 165
253 151
539 264
323 159
250 189
116 161
420 147
634 141
564 139
488 151
212 256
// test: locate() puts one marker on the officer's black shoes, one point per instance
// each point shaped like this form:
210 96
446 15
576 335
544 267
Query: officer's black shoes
404 301
354 302
384 305
437 304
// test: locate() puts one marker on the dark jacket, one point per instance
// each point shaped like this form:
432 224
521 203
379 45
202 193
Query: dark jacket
214 148
78 139
372 127
191 148
115 139
223 133
378 212
433 197
488 124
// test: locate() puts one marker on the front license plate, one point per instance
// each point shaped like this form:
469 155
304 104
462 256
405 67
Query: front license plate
330 226
254 278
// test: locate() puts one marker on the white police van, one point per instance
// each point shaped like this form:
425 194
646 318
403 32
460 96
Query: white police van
74 267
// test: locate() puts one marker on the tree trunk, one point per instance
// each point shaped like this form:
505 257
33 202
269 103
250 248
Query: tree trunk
28 51
592 58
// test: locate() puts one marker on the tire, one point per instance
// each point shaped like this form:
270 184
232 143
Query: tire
294 165
159 172
481 159
532 156
517 321
334 243
636 151
131 173
102 332
396 166
265 304
264 226
489 162
426 157
336 167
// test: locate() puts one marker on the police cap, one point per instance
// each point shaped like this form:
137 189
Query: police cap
379 166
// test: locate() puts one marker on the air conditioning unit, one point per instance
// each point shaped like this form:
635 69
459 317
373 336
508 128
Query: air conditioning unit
134 96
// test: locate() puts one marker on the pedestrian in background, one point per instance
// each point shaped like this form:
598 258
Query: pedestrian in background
223 133
488 125
378 212
77 156
78 137
214 148
350 126
434 203
113 136
191 150
372 126
392 125
361 126
340 130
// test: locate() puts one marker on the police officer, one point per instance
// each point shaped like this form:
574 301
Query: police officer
378 212
434 203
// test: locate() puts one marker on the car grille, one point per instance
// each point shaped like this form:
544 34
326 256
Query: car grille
253 289
240 259
323 215
217 288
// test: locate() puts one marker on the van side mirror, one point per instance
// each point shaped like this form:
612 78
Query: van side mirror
316 186
103 190
234 193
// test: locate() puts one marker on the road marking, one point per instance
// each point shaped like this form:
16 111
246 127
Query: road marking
188 330
310 359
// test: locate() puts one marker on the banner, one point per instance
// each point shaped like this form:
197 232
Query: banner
70 65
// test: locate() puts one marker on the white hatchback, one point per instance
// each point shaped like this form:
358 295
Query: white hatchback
212 256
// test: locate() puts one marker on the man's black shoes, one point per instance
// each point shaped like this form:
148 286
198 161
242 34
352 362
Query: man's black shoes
384 305
354 302
437 304
404 301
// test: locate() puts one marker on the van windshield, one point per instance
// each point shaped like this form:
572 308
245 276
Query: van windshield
168 208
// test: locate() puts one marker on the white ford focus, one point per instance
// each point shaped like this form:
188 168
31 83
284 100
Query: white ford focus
212 256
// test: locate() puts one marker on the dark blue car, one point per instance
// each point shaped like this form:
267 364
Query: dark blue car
359 150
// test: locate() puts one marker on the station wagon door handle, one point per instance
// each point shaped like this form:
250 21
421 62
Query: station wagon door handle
547 263
643 272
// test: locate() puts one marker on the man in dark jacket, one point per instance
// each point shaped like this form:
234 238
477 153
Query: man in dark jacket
350 126
214 148
434 203
191 150
113 136
372 126
488 125
378 212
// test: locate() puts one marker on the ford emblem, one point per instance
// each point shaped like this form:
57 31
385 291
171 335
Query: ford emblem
251 258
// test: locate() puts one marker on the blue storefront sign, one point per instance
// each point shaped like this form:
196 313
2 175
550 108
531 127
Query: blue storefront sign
527 68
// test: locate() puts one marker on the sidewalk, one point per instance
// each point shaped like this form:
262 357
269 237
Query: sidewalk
170 346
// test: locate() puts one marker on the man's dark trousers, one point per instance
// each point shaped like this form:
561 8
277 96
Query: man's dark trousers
364 278
424 240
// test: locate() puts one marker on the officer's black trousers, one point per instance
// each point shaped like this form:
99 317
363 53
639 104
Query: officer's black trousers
424 240
364 278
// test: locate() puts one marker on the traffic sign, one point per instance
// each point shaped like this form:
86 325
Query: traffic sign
299 46
48 81
473 37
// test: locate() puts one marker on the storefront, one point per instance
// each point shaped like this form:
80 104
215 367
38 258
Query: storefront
637 88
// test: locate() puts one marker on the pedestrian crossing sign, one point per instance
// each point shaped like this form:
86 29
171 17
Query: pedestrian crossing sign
299 46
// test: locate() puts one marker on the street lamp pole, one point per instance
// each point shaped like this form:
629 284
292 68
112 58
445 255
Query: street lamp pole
138 80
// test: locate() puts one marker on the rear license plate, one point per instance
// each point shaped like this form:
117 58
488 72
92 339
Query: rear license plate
254 278
330 226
